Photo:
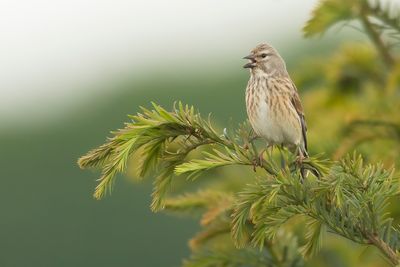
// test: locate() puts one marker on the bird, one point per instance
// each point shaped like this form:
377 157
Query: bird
273 104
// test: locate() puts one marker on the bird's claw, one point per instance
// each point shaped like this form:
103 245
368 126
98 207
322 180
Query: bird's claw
255 164
261 158
299 160
258 161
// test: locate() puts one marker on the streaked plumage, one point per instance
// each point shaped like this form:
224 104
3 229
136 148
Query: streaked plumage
273 104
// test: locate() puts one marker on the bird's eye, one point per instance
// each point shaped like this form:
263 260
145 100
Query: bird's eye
264 55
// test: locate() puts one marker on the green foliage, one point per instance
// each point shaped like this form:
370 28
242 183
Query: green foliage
282 253
213 160
314 237
327 14
229 258
331 12
359 132
207 202
387 15
350 201
347 198
149 134
273 217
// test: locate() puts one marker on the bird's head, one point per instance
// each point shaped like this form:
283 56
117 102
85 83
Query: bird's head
265 60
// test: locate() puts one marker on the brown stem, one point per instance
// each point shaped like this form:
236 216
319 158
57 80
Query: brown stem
384 248
375 38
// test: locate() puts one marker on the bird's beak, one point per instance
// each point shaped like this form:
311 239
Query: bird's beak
252 62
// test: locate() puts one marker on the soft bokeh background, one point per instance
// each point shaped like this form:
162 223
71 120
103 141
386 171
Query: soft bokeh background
70 71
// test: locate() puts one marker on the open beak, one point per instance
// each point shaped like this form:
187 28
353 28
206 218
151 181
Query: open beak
252 62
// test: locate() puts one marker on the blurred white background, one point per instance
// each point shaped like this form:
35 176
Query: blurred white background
54 54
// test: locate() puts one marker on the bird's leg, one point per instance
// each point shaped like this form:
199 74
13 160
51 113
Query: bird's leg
300 157
271 150
255 164
269 147
255 160
261 156
299 161
258 161
250 141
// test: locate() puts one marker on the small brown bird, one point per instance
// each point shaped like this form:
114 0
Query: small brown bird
272 101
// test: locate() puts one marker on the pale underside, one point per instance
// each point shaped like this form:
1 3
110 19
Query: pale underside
275 119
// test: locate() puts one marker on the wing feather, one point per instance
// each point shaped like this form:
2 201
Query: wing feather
295 99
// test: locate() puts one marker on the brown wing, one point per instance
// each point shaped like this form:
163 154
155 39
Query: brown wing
295 99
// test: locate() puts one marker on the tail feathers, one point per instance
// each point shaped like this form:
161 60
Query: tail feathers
304 171
305 168
303 154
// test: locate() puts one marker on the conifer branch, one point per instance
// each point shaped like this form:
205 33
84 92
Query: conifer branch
153 134
374 35
347 198
349 201
330 12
